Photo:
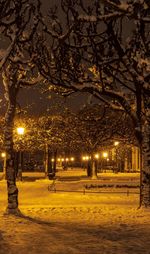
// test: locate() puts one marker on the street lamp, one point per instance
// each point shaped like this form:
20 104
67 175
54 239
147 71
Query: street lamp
104 160
96 156
72 161
105 155
96 161
72 158
20 132
116 143
3 155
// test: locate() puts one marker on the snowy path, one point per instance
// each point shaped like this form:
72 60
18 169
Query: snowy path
41 233
71 223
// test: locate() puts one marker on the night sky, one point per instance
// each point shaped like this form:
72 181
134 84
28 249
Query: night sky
37 103
41 103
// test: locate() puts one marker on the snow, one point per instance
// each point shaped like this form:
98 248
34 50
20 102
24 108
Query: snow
72 222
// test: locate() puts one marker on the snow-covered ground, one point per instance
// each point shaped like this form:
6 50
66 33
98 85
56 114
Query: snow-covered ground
74 223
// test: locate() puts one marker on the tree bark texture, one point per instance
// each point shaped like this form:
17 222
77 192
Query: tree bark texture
145 188
11 91
10 167
92 168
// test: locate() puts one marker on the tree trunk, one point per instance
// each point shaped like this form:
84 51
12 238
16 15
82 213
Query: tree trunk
10 167
55 160
46 160
92 168
48 163
11 90
20 166
145 178
89 169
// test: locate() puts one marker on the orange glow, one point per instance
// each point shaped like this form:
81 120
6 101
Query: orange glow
105 154
116 143
96 156
3 155
20 130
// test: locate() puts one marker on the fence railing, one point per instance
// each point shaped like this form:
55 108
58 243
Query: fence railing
52 188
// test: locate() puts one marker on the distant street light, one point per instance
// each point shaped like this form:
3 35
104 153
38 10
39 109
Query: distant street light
83 158
105 154
20 132
116 143
72 160
3 155
96 156
104 160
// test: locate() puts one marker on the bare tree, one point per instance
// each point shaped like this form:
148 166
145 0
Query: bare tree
96 126
19 21
103 48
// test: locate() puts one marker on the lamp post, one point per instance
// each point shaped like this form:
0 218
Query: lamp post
85 160
20 132
105 157
3 154
116 143
96 162
72 161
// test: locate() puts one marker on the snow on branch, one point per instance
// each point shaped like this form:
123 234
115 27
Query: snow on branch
93 18
30 82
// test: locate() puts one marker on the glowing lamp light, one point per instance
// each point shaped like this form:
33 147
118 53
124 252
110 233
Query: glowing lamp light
52 159
96 156
62 159
85 158
20 130
3 155
67 159
116 143
72 158
105 154
58 159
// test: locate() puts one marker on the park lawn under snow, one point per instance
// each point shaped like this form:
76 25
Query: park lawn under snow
73 223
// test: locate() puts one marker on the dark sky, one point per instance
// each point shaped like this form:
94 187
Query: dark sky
41 103
36 103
